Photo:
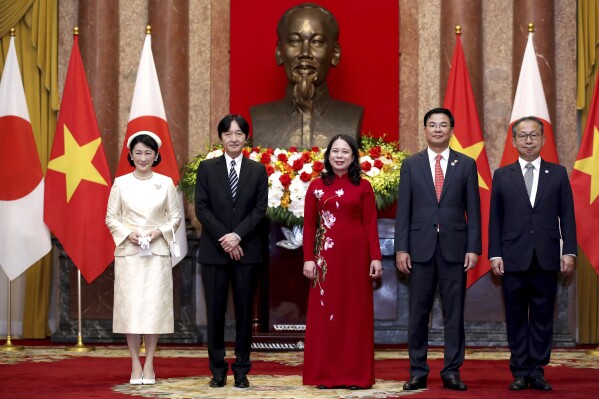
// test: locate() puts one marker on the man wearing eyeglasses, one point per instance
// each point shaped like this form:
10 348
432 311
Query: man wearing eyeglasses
437 240
531 210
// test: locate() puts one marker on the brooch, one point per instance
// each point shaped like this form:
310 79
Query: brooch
454 162
157 186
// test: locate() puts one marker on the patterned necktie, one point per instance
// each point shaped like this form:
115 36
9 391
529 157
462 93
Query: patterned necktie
439 178
233 179
528 177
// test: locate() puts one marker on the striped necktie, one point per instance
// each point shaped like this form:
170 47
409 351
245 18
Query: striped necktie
528 177
233 179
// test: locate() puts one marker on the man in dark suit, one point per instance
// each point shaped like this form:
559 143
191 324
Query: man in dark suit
231 200
531 203
437 240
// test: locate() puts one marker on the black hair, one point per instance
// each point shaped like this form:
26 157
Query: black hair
443 111
354 172
225 124
148 141
528 118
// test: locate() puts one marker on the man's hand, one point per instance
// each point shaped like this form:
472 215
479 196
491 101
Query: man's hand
470 261
236 253
403 262
567 265
229 241
497 266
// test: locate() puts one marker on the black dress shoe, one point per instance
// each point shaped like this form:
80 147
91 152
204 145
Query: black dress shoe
218 381
454 383
539 383
415 383
519 384
241 381
356 387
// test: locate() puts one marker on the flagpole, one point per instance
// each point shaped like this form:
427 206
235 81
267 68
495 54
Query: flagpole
8 345
79 346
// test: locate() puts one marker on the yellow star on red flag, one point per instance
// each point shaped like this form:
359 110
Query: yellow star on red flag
473 152
76 163
590 166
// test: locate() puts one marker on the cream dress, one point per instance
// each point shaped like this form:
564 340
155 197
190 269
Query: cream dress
143 285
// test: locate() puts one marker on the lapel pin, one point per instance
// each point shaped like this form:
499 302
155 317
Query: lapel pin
546 171
454 162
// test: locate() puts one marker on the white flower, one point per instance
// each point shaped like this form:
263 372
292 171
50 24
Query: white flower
366 159
340 192
328 243
307 169
328 219
275 195
214 154
318 193
254 156
280 151
374 171
297 208
293 157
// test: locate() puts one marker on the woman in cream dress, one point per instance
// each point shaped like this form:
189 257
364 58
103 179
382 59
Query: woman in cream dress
143 212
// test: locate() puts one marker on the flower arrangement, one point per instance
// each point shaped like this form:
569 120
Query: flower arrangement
290 171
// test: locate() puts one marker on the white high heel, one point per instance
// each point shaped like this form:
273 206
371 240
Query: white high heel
149 381
136 381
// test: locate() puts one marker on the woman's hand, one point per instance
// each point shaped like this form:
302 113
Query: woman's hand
376 269
155 234
310 269
134 238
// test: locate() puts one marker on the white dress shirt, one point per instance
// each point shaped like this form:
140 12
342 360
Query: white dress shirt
535 176
431 160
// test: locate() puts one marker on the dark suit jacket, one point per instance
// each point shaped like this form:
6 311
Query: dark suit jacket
419 213
220 215
516 228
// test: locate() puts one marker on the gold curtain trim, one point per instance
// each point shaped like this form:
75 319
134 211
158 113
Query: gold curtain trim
11 12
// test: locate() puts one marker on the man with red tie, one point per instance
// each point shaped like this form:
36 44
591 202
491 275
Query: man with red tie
437 240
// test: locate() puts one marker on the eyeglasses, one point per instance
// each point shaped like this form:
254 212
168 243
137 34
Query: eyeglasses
434 126
522 137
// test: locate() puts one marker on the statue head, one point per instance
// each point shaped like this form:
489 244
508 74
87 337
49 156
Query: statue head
307 47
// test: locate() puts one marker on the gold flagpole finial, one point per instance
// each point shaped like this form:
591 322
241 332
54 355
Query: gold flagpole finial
148 29
531 27
458 30
12 32
76 31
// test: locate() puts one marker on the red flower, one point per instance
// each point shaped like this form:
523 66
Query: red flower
255 149
378 164
315 149
292 149
265 158
246 153
305 177
285 180
318 166
366 166
375 151
306 157
298 164
282 157
270 150
270 170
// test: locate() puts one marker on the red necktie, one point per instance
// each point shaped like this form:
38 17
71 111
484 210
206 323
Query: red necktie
439 178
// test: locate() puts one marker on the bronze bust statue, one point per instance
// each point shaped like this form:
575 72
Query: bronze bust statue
307 47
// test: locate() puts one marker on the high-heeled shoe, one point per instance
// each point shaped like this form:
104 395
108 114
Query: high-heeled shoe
149 381
136 381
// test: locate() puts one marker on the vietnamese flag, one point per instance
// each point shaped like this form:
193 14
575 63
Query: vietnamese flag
585 185
147 113
530 101
78 179
24 238
468 139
